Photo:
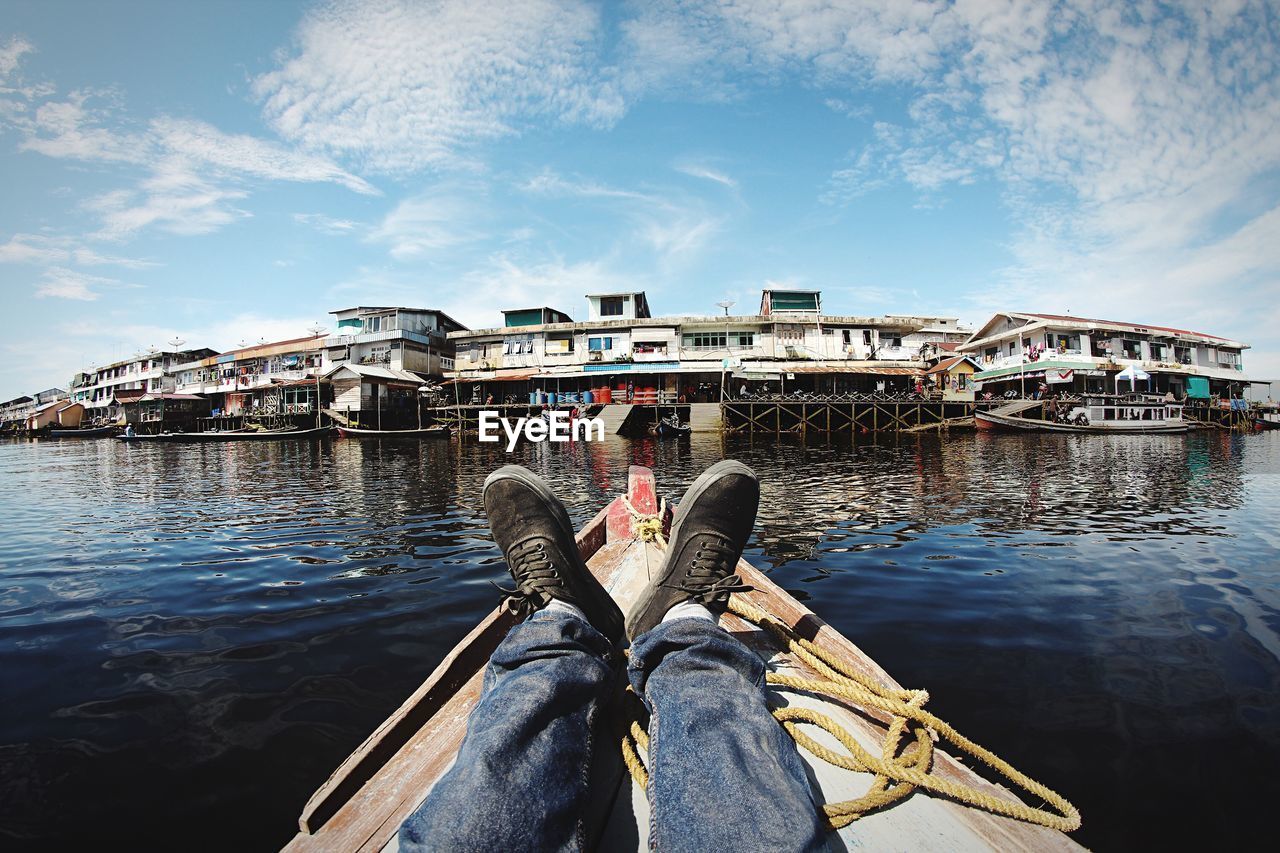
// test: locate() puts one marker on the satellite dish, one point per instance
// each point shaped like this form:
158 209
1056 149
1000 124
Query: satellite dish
176 343
316 329
726 305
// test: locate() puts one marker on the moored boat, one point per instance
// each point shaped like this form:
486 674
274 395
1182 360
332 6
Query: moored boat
362 805
87 432
1100 414
424 432
230 435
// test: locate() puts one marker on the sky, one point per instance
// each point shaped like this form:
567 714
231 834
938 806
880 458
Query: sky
220 172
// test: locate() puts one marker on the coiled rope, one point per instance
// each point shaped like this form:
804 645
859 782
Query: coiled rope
899 769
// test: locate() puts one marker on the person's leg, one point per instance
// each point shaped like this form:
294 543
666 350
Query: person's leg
724 774
523 774
522 777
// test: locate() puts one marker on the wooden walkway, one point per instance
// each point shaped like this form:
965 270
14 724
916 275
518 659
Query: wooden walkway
775 416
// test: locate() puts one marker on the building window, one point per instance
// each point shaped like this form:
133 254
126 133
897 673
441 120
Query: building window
705 340
612 306
742 339
866 337
599 344
895 341
559 346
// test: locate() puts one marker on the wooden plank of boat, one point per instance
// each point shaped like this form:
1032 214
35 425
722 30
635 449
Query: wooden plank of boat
425 432
361 806
993 419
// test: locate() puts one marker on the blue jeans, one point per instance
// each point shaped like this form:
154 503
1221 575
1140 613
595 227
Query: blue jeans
723 773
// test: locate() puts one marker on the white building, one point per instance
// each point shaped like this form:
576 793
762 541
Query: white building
1081 354
790 341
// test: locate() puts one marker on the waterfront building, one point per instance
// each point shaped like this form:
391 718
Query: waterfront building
622 350
61 413
951 378
408 339
1017 351
13 413
380 357
111 386
263 380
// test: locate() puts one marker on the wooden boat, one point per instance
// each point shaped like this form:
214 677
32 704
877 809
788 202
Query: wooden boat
665 429
424 432
230 435
1103 415
364 802
87 432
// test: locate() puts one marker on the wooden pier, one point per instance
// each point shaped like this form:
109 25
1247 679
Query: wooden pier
804 416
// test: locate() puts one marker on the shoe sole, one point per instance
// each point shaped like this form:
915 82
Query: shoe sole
544 493
639 613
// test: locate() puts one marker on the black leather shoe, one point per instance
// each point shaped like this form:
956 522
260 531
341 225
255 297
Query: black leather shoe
709 531
533 530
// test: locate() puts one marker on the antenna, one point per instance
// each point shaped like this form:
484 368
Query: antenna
317 329
176 343
726 305
261 341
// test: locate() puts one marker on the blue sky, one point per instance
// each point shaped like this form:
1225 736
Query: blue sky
227 171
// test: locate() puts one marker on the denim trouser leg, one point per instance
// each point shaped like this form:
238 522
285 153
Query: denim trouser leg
522 774
724 775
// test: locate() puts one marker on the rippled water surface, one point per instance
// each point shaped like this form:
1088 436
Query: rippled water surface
192 638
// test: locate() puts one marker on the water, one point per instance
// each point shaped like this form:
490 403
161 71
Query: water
192 638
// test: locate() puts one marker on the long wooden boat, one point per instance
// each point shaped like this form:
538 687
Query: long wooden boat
87 432
1101 415
362 805
424 432
230 435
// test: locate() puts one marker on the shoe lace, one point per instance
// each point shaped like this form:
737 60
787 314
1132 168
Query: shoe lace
535 575
708 580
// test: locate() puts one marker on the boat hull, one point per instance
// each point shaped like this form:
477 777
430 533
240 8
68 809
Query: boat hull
209 437
425 432
92 432
362 805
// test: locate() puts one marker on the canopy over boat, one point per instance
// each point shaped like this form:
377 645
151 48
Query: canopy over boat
364 802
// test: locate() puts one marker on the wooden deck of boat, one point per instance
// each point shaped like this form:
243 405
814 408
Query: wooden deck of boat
364 802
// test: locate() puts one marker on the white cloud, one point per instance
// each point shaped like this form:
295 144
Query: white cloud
193 169
42 249
400 86
11 52
327 224
172 199
61 283
697 170
424 226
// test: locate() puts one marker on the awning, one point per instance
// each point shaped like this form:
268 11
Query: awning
877 370
146 398
378 374
493 376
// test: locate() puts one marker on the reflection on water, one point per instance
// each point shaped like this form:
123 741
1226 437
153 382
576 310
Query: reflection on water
194 636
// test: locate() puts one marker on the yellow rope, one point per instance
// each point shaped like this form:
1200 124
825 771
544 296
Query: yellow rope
647 527
898 770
